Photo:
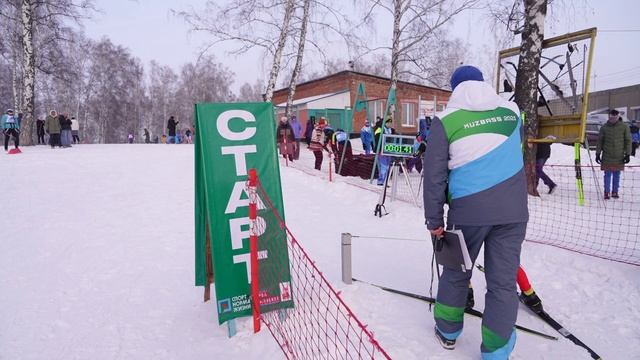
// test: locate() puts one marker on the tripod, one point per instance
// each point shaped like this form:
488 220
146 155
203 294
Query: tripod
392 176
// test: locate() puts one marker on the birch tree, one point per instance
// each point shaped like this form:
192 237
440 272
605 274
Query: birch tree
414 23
35 17
526 87
250 24
298 67
28 83
526 18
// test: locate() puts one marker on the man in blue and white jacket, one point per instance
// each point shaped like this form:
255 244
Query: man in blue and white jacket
474 163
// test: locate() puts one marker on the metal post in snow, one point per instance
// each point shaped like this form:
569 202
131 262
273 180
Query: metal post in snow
346 258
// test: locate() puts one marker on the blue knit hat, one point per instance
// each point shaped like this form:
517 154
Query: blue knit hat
464 73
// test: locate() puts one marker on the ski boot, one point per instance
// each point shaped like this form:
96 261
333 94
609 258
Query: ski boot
444 342
532 301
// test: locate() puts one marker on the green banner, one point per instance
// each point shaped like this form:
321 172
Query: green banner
232 138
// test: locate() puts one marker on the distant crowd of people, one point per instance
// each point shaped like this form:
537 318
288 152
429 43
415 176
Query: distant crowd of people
321 137
175 134
62 130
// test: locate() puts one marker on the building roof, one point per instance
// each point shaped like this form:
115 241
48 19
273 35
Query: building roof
311 98
350 72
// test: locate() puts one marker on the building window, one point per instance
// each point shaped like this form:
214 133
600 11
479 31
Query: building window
635 114
377 109
408 114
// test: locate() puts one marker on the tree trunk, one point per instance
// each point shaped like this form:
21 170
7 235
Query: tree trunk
275 67
395 49
14 85
526 91
28 81
17 74
298 67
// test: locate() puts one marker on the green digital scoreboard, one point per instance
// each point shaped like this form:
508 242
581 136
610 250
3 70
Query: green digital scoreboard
397 145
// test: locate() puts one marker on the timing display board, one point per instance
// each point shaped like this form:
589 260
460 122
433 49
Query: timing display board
397 145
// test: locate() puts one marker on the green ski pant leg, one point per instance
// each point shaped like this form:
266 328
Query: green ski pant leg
502 259
454 286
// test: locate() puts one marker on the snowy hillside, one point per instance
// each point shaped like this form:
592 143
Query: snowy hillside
97 252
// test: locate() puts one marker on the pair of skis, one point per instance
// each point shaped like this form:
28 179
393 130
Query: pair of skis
554 324
472 312
559 328
541 314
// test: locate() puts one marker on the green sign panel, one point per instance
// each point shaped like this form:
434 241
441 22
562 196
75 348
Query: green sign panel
230 140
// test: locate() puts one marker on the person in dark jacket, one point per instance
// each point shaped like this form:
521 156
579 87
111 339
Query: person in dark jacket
147 136
65 130
376 133
171 126
308 132
286 139
40 131
614 144
543 153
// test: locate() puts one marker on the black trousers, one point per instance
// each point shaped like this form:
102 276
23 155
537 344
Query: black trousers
76 139
318 155
41 138
54 140
16 138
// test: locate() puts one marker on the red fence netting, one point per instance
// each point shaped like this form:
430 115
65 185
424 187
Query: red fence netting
319 325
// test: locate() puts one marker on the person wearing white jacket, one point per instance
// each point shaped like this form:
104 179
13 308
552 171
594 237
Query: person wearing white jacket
75 129
474 164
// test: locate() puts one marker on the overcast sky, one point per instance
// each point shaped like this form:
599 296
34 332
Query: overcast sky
150 32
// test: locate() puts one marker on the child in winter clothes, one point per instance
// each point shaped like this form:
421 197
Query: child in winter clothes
10 128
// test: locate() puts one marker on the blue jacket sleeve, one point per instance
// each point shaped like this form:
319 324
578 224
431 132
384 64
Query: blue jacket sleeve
436 174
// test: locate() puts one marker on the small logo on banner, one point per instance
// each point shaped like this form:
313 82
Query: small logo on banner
285 291
224 306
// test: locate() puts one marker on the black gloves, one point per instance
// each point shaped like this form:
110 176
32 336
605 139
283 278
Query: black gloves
627 158
598 158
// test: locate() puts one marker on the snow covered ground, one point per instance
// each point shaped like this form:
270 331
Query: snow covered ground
96 261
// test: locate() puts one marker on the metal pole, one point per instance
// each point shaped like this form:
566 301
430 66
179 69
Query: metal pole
346 258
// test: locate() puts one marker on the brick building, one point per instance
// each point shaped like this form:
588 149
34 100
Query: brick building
334 96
